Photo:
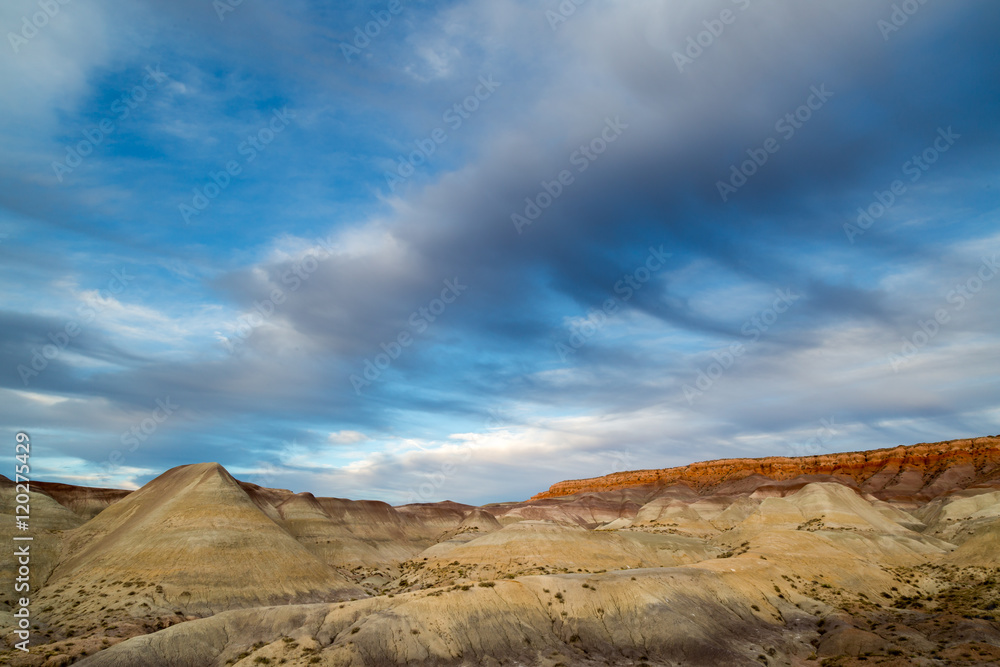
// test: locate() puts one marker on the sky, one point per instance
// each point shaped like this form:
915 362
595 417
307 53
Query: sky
415 251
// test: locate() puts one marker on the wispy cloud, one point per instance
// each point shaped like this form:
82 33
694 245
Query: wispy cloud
255 313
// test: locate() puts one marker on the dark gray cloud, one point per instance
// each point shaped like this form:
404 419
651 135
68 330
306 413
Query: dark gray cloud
385 256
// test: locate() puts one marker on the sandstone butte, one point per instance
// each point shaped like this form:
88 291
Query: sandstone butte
924 470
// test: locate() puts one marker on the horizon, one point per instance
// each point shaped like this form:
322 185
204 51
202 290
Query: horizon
526 499
486 245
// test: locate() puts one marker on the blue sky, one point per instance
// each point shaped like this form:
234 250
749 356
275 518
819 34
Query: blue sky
493 244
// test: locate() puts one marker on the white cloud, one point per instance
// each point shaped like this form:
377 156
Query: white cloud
346 437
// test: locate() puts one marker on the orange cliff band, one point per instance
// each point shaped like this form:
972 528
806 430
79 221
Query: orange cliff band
932 458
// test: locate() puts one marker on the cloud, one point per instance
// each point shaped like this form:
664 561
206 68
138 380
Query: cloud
307 270
346 437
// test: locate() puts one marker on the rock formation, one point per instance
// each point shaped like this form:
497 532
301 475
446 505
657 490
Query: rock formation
917 472
891 556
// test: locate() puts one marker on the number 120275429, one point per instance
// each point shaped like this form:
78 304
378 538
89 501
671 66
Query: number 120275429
22 450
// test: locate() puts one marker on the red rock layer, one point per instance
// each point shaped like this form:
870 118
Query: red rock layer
920 471
85 501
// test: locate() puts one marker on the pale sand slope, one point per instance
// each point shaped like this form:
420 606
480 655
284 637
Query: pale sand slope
981 548
695 615
520 547
802 550
957 516
348 533
46 522
196 534
586 509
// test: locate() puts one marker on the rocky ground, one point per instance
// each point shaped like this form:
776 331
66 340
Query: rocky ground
889 557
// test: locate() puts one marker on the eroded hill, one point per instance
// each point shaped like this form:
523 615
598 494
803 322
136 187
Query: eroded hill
889 557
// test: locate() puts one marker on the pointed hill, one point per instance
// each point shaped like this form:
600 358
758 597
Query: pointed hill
194 539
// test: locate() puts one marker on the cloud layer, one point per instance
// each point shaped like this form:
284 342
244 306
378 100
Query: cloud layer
500 244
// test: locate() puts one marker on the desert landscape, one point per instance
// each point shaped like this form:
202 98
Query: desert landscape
469 333
887 557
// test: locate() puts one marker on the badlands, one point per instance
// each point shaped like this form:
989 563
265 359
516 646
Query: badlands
884 557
